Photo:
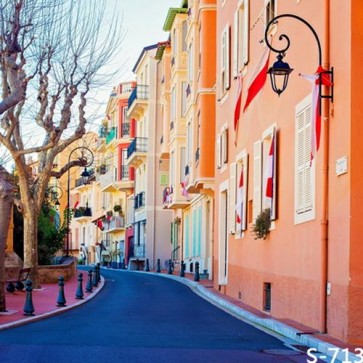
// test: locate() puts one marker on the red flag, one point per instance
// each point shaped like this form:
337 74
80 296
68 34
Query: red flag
270 170
240 198
259 78
315 79
76 204
237 109
100 224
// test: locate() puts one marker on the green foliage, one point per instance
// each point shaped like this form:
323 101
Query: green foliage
50 238
262 225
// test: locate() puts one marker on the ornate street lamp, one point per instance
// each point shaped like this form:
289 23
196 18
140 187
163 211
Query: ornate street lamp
280 70
84 157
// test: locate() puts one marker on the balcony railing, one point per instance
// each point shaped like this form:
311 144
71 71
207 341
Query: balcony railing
125 129
111 135
139 200
138 144
115 223
82 212
141 92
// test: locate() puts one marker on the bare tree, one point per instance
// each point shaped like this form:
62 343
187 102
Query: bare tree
52 54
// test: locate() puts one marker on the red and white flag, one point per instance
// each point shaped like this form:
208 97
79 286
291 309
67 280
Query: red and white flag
237 108
240 200
258 79
270 170
316 112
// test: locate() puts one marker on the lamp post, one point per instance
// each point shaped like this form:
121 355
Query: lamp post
84 157
280 70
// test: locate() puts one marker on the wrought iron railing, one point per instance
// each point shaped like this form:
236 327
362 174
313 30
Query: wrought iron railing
141 91
138 144
125 172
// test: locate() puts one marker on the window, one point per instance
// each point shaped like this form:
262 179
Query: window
173 105
184 86
267 296
270 10
182 163
222 148
264 174
224 76
184 35
240 213
304 170
189 143
232 198
241 37
190 63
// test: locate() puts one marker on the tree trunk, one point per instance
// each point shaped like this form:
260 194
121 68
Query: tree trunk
30 241
6 202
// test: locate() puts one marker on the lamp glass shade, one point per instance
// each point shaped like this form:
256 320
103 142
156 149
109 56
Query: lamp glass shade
85 176
279 75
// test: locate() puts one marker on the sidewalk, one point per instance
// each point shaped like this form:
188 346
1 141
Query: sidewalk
44 301
301 337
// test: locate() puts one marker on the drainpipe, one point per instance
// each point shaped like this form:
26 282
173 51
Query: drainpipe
325 182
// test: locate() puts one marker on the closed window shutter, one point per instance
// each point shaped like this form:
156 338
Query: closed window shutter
235 44
227 65
246 32
304 192
232 198
257 178
219 158
245 199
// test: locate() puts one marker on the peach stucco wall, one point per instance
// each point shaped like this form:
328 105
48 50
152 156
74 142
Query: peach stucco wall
292 256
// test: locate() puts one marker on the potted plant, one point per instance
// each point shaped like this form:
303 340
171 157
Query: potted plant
117 208
262 225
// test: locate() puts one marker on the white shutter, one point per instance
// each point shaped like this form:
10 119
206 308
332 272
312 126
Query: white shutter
304 172
246 32
257 178
227 65
235 44
245 196
218 153
232 198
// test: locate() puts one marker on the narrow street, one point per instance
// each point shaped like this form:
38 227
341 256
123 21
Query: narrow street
143 318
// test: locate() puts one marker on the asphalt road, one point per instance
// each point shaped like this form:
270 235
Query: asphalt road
142 318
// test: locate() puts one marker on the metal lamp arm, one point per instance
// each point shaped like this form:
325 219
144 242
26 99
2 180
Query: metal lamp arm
286 38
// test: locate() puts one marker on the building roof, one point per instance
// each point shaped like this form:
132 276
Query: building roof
145 49
171 16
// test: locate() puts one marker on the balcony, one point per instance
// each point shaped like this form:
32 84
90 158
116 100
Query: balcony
107 181
138 101
82 214
173 199
114 225
137 152
125 183
111 135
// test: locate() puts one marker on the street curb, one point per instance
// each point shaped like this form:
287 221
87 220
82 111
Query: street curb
60 310
327 349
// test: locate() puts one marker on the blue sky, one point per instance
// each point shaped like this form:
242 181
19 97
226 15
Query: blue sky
143 23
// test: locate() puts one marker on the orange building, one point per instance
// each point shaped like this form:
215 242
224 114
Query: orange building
308 268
